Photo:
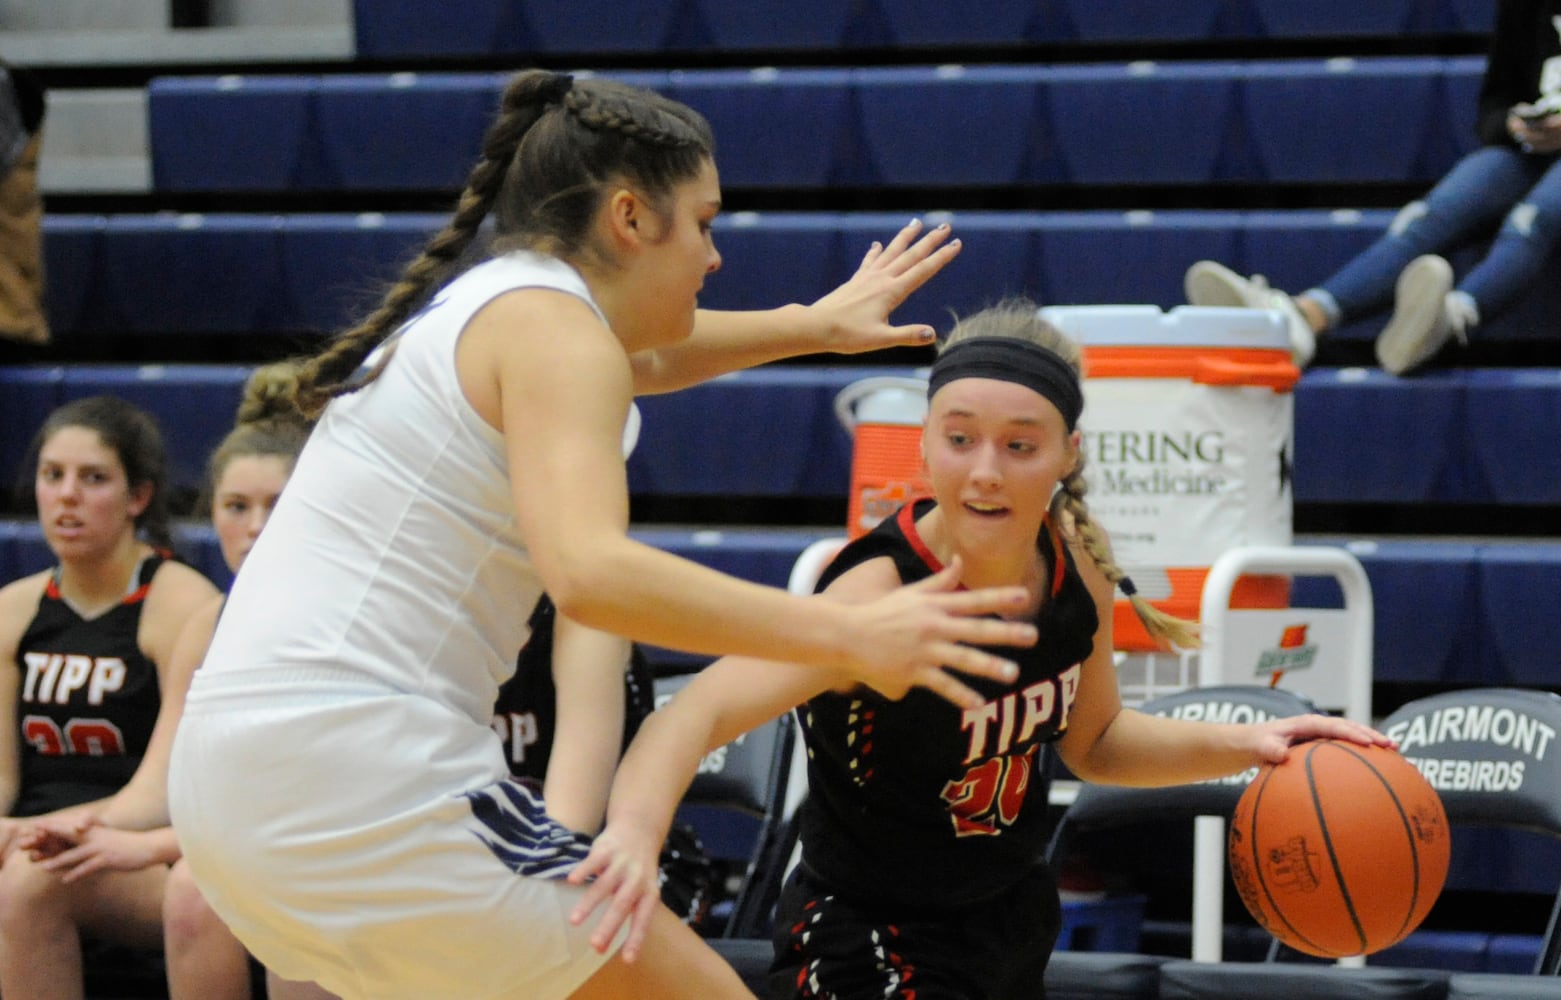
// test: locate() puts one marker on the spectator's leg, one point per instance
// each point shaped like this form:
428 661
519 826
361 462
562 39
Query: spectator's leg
1526 244
1469 200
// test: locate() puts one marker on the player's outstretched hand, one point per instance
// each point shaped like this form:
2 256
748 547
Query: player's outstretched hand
621 871
856 315
1277 736
909 636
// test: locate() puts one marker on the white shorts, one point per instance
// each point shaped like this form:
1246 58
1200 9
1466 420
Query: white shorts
373 843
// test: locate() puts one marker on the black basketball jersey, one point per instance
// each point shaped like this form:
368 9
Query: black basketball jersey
526 712
87 701
919 803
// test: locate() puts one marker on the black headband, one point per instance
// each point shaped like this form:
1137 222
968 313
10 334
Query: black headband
1010 359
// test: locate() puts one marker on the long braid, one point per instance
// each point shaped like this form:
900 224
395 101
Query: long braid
327 374
1069 501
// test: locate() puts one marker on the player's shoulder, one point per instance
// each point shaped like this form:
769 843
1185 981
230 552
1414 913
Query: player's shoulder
23 591
179 588
18 601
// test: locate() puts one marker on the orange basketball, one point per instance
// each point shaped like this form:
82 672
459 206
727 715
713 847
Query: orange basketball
1340 850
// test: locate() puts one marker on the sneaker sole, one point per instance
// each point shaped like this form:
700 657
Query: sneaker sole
1410 338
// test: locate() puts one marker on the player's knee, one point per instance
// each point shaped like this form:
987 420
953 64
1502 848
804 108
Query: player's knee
26 893
186 914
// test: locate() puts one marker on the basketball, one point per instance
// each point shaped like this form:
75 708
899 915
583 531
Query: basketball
1340 850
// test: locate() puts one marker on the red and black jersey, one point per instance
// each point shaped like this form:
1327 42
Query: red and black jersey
919 803
87 700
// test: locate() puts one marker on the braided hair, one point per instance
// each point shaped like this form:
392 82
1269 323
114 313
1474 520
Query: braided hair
547 161
1020 319
268 424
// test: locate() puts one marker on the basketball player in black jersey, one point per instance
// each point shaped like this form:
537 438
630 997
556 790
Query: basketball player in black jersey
84 648
922 870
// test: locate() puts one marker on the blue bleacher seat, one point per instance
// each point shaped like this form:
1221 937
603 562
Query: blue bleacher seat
336 267
398 28
1091 257
72 261
775 259
22 550
922 124
1094 21
1512 954
1427 611
765 432
1475 16
1525 642
819 24
1463 951
1412 453
1345 120
233 133
774 128
1302 121
1147 123
417 131
942 24
193 404
1285 19
161 272
1511 417
1461 78
27 394
599 27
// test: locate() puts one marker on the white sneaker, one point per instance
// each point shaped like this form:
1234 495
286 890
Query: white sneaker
1211 284
1425 316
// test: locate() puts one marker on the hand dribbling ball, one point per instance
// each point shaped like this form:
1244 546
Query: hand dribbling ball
1340 850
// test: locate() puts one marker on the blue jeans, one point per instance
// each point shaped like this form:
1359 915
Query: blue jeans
1465 205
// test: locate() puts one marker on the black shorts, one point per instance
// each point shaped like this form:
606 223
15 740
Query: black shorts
828 946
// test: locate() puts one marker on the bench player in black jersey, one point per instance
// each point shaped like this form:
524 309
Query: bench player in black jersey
84 654
922 870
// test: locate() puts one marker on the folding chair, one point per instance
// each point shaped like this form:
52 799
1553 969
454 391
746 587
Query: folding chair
1494 756
1098 808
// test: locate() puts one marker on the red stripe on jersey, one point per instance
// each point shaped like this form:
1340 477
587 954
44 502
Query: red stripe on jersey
907 516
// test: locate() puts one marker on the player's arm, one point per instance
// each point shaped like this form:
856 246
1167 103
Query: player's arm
561 402
142 804
728 698
18 602
178 594
851 319
588 670
1108 743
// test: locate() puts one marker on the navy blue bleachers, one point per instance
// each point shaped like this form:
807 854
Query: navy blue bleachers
389 29
234 132
161 273
1457 436
1393 119
316 271
1449 611
773 128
